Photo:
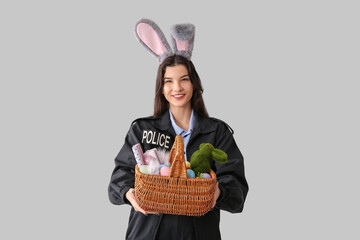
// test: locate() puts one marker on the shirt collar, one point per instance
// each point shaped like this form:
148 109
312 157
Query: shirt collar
201 125
179 130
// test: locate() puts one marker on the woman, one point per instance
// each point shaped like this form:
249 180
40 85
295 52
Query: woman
179 109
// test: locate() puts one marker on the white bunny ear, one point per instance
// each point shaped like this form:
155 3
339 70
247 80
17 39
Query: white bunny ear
183 39
152 38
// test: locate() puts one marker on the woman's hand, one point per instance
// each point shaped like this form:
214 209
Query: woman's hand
130 195
216 194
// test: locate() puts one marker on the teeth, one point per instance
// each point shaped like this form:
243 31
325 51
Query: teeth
178 95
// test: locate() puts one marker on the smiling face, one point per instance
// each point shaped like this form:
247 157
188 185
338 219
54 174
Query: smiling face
178 89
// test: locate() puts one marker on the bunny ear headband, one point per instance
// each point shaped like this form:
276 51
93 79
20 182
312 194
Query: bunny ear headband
152 38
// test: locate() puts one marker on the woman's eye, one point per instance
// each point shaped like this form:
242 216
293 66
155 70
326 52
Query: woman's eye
185 79
167 81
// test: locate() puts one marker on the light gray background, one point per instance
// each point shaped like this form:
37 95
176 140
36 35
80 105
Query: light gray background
283 74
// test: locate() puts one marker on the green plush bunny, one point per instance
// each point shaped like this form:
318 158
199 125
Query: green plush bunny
200 158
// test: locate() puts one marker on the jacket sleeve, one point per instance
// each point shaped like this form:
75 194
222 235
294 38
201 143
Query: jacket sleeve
230 176
123 176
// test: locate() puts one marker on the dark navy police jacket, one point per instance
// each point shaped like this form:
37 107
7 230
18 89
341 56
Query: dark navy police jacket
158 132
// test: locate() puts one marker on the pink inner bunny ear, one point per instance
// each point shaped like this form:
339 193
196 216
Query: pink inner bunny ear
182 45
183 39
150 37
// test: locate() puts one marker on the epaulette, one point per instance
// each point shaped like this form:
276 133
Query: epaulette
219 120
144 118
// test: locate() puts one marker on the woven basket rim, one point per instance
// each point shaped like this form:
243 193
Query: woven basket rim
212 174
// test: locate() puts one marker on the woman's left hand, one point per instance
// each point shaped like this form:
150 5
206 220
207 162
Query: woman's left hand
216 194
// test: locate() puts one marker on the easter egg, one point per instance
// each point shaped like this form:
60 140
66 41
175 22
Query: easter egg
188 165
162 165
165 171
205 175
144 169
190 173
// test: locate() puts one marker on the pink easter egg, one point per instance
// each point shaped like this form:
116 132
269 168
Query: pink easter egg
205 175
165 171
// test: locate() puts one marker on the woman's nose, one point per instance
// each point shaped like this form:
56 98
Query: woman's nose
177 86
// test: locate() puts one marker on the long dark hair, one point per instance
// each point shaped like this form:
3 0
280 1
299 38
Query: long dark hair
161 105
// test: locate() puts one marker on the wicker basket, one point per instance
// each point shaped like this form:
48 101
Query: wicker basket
175 194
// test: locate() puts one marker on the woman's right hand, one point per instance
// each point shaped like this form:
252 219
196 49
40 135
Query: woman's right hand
130 195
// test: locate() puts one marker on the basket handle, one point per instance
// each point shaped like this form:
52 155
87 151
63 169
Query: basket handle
177 159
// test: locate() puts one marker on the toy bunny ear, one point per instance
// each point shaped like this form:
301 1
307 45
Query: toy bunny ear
183 39
152 38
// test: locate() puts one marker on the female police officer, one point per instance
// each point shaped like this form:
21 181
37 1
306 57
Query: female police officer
179 109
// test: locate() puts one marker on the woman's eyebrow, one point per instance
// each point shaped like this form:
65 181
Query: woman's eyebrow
180 77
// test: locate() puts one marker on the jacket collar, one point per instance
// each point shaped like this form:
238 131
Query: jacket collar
202 125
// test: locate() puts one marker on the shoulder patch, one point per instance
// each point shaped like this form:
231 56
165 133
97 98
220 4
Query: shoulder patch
230 129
